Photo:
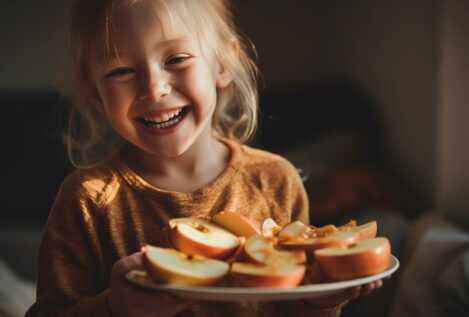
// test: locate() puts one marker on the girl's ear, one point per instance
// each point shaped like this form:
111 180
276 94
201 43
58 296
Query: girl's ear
225 76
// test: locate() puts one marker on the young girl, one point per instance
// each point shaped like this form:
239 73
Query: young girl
168 94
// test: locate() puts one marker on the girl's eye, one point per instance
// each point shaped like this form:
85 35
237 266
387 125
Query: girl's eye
120 72
177 59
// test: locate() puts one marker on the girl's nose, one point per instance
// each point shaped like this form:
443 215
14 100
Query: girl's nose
154 87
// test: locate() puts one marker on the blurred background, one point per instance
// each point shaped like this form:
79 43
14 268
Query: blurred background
368 95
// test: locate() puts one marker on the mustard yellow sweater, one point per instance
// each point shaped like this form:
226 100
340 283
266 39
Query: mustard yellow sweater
107 212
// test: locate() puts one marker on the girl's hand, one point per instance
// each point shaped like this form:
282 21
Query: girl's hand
351 293
126 300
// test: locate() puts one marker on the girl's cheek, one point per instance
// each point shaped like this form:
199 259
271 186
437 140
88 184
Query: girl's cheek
118 94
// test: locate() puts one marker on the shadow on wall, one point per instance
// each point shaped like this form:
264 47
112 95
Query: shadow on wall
33 157
331 132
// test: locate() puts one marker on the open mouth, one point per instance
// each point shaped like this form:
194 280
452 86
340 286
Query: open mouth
166 121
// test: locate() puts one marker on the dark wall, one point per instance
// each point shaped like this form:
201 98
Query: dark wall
32 158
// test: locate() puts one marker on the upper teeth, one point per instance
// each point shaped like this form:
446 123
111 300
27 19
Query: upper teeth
163 117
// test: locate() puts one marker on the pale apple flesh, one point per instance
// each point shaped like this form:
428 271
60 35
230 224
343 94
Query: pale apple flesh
169 266
200 236
365 231
269 228
261 249
266 276
299 236
236 223
367 257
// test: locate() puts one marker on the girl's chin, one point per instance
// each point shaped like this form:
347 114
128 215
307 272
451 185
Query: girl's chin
172 149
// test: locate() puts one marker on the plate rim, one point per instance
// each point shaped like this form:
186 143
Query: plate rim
221 291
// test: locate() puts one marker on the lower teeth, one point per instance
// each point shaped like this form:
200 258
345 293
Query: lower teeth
163 125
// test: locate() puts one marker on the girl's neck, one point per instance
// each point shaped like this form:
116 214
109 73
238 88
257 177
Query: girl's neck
198 166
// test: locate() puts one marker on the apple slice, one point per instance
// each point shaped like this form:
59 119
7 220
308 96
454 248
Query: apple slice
199 236
261 249
238 254
269 228
299 236
283 275
295 230
235 223
367 257
365 231
173 267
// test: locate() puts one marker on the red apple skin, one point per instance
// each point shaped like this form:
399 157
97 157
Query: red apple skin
243 279
355 265
367 230
188 246
236 223
238 255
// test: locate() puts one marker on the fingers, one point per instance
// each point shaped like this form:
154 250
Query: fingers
365 289
125 264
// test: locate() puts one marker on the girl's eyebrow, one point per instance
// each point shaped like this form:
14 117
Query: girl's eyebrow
110 57
118 54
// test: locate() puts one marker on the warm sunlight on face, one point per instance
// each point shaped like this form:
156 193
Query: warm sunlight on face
158 91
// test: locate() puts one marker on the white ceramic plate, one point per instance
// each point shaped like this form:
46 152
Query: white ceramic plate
234 294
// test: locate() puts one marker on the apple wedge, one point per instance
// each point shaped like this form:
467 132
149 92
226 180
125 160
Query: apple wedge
283 275
365 231
367 257
239 253
299 236
269 228
236 223
199 236
170 266
261 249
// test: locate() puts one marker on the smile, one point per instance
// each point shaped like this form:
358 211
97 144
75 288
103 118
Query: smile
164 121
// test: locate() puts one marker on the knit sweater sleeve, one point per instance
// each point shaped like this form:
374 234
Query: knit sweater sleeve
71 275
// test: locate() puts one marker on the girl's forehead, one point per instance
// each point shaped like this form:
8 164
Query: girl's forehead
147 24
151 20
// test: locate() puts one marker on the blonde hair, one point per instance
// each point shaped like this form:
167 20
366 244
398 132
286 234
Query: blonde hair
90 139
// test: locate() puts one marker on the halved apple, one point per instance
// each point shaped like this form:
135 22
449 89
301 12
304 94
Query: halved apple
199 236
235 223
269 228
367 257
284 275
173 267
261 249
299 236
